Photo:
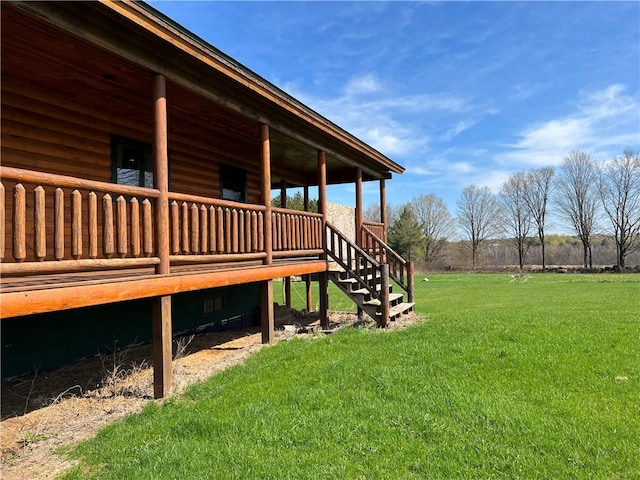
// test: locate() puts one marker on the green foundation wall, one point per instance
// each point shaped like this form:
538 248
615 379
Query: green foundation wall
42 342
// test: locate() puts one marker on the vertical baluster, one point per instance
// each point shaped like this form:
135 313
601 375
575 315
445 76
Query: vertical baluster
247 231
58 224
254 231
195 228
298 229
227 230
92 199
204 230
19 219
286 232
2 219
121 226
107 228
212 229
147 228
76 225
135 228
275 229
175 227
220 229
185 227
305 233
260 232
241 231
40 224
234 230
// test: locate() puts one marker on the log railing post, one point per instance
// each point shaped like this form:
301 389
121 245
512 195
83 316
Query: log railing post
161 313
268 331
410 284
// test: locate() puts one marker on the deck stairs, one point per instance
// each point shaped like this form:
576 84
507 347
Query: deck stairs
366 279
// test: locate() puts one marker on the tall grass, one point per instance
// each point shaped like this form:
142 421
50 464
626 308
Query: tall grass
506 378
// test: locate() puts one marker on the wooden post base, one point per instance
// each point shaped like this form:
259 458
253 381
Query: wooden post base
266 311
162 347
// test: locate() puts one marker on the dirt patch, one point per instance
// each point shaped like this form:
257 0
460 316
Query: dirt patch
59 408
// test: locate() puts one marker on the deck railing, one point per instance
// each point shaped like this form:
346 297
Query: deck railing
296 232
377 228
206 230
369 273
56 223
400 270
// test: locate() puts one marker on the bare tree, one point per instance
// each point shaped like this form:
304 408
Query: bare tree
537 191
372 213
515 213
478 216
577 198
619 188
436 223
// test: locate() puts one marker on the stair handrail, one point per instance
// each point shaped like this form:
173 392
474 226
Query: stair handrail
400 270
363 261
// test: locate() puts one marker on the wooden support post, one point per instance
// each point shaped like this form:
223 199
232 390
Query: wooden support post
323 279
359 215
383 208
384 296
287 280
265 185
162 328
307 281
323 294
161 346
307 278
266 311
410 285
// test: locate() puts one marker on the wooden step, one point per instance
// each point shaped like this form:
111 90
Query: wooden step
399 309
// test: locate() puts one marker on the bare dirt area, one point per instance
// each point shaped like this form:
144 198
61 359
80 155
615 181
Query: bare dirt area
59 408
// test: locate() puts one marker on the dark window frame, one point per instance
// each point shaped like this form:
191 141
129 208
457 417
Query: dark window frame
234 180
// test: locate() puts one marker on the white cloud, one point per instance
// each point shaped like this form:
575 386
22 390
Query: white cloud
598 125
362 85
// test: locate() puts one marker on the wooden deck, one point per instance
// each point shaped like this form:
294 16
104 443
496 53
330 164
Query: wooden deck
23 295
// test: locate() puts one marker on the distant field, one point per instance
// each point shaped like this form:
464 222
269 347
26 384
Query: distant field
507 378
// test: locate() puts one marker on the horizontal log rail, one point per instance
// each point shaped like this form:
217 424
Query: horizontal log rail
295 230
361 266
400 270
65 181
72 266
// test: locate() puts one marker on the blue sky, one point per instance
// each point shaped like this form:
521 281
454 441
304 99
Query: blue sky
458 93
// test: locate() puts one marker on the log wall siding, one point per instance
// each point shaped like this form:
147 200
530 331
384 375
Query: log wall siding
49 133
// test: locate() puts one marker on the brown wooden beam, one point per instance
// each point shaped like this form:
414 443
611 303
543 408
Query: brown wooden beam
15 304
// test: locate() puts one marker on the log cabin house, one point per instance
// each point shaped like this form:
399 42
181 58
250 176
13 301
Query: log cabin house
138 164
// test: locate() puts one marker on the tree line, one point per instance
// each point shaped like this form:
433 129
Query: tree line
595 201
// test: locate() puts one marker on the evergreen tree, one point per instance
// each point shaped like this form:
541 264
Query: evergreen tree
405 235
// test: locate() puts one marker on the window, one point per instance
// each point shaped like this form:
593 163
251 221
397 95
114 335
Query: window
212 304
233 183
132 163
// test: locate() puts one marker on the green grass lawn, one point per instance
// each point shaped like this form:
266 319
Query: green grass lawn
506 378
